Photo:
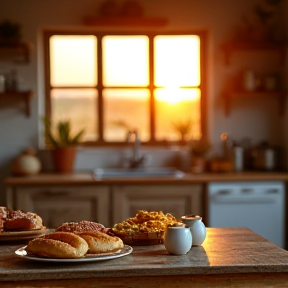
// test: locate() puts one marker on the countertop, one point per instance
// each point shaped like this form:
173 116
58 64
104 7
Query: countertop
87 179
228 256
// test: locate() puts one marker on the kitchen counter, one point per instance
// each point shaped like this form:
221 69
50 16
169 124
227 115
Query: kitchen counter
229 257
86 178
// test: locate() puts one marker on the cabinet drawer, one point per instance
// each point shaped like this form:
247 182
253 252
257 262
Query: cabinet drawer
56 205
174 199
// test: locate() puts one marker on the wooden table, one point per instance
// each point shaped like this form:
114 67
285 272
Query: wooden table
229 257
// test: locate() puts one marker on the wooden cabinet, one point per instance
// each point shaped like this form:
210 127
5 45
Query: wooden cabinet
57 205
108 203
278 93
175 199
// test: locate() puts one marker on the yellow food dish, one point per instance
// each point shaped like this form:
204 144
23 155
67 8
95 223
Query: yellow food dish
145 222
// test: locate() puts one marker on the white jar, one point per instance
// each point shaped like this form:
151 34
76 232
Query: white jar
26 164
197 227
178 240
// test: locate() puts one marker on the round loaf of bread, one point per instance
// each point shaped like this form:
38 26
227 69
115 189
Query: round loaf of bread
58 245
81 226
99 242
19 220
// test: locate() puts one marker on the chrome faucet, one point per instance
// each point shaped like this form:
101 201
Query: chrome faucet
136 161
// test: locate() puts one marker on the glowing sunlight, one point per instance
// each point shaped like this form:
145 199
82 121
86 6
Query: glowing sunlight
127 89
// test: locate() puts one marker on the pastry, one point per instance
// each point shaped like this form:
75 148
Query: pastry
58 245
18 220
81 226
3 216
99 242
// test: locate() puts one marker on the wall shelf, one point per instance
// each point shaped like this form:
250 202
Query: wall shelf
17 51
124 21
23 95
279 95
231 47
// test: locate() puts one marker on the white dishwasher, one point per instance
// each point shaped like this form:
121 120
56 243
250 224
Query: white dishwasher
259 206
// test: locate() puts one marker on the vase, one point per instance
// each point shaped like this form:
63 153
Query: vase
26 164
178 240
64 159
197 227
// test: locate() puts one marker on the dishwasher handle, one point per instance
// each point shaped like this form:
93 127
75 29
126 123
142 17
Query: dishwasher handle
227 196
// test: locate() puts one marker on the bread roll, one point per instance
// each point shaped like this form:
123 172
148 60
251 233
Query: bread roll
58 245
3 216
18 220
99 242
81 226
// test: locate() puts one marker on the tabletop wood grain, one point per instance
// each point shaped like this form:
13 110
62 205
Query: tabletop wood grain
229 257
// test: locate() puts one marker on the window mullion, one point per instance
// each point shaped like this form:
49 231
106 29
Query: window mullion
151 88
100 90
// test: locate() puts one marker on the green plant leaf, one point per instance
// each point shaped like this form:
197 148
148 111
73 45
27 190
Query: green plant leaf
61 137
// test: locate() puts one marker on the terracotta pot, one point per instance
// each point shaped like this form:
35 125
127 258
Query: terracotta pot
64 159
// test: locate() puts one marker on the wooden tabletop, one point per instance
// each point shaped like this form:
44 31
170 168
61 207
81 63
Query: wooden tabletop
228 255
88 179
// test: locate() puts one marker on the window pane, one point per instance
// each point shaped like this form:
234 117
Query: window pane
80 106
177 108
125 110
177 60
73 60
125 61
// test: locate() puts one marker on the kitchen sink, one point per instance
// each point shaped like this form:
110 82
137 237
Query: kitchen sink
146 172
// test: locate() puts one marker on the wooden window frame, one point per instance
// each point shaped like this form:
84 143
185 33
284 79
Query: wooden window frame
151 87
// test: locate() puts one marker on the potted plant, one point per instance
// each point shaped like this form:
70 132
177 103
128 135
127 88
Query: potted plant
59 137
199 148
183 128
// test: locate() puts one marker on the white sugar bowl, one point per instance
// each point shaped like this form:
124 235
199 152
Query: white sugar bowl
197 227
178 239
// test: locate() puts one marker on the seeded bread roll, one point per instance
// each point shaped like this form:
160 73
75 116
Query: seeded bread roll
18 220
99 242
81 226
3 217
58 245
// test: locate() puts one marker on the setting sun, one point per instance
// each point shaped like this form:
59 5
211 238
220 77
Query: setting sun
174 95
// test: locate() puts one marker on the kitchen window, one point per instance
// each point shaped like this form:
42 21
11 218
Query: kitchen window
110 83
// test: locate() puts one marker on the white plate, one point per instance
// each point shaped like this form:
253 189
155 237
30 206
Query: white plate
21 235
90 257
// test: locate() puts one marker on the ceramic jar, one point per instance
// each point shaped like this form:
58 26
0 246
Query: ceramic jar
178 240
27 163
197 227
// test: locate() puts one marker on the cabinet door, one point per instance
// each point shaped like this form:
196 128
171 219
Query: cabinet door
174 199
57 205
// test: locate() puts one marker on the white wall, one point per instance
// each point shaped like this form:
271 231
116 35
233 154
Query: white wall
258 120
